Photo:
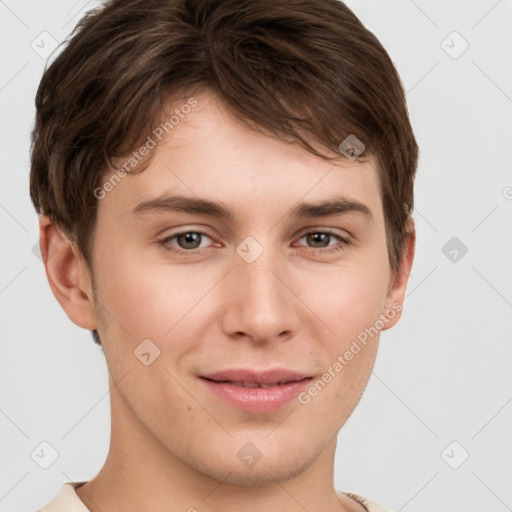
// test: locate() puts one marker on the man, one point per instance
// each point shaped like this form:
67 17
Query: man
225 190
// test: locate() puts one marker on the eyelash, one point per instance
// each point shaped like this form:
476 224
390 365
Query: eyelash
345 243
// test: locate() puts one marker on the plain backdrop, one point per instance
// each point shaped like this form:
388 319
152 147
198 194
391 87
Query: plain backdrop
433 429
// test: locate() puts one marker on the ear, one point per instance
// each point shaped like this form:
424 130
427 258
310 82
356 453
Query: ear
398 284
67 274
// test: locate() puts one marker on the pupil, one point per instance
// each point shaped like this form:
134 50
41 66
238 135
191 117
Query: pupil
190 239
317 237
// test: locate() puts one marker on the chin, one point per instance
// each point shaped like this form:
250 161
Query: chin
269 469
259 475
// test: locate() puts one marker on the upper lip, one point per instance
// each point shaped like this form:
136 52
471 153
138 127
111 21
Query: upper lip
256 376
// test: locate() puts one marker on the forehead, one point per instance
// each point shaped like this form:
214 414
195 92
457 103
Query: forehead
209 154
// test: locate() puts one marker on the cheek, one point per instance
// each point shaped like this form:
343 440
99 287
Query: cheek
351 304
347 299
148 299
348 355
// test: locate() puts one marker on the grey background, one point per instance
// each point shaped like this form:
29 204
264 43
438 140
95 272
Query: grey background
442 374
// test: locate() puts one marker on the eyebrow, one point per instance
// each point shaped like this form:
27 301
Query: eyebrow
176 203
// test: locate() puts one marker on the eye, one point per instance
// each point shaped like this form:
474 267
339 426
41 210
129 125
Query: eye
321 239
190 242
187 241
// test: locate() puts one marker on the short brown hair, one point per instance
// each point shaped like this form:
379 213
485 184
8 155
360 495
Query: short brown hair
303 70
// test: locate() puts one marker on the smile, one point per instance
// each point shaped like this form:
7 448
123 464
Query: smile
256 392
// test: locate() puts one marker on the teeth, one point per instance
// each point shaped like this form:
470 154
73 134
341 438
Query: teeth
248 384
256 385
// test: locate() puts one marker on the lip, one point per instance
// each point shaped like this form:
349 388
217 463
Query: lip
256 400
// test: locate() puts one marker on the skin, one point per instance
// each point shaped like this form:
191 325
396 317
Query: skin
299 305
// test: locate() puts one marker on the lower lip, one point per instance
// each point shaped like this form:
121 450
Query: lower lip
257 400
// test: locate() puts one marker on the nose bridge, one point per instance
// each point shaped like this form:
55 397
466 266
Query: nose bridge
260 304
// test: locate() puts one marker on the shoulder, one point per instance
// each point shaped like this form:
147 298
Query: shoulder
66 500
371 506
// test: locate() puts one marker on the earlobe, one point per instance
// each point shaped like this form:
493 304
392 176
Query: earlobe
398 285
67 274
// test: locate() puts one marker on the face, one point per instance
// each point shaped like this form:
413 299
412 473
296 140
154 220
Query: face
286 290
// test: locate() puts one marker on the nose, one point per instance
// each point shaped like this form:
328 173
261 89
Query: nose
260 304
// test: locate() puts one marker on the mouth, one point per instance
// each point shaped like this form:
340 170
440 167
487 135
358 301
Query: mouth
253 384
256 391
